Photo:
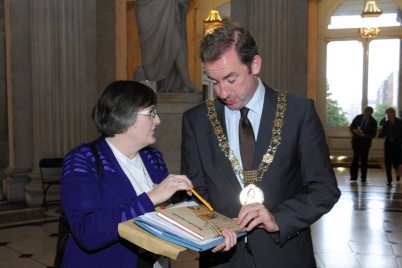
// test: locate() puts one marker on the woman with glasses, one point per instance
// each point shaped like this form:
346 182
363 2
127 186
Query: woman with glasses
128 179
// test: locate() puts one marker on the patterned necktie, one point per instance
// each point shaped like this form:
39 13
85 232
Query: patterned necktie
246 139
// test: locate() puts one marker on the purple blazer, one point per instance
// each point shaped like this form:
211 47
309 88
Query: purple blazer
95 206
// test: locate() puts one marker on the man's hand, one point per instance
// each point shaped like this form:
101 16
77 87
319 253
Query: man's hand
358 132
256 215
230 241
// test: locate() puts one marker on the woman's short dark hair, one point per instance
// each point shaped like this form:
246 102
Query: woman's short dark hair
116 108
225 37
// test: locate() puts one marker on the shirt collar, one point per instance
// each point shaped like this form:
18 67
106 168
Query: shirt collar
121 156
255 104
257 101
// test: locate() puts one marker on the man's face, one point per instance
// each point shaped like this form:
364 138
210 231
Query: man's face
367 112
233 82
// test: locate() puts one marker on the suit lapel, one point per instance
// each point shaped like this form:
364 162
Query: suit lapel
226 166
265 131
220 111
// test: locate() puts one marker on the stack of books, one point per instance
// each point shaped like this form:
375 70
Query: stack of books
188 224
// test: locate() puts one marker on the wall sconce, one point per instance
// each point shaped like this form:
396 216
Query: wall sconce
212 21
370 16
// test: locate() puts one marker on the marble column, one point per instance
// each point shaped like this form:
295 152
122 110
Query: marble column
19 98
3 102
51 86
63 82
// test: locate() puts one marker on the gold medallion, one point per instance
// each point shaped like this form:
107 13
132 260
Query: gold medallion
251 194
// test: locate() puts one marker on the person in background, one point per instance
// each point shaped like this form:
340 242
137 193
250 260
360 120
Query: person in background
392 132
134 180
289 174
363 129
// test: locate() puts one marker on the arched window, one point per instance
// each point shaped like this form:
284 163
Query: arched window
361 70
355 70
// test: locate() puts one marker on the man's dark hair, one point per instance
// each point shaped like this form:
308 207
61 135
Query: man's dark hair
369 109
229 35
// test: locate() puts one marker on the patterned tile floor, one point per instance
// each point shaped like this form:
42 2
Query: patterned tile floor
363 230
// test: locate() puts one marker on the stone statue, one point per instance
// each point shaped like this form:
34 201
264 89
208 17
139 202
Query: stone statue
162 31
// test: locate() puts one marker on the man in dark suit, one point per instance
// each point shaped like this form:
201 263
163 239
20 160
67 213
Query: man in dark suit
363 129
290 184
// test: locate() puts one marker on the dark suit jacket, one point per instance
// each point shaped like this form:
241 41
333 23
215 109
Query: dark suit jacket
369 129
394 131
299 186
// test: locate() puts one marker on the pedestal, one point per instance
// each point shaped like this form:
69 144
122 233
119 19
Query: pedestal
33 191
170 108
13 184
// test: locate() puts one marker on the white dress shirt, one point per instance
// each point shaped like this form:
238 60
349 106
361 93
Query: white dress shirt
254 116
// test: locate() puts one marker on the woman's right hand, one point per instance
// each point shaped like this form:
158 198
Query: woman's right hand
170 185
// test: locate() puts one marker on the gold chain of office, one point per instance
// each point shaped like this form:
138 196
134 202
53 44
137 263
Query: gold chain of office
251 176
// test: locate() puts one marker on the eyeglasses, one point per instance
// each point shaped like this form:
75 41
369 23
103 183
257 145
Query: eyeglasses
151 113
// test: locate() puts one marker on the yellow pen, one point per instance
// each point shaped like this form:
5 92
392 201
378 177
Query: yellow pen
202 200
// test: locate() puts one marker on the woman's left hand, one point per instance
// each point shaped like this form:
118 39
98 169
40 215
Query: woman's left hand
170 185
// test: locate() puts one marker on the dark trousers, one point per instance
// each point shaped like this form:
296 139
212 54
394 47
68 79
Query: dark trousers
392 153
361 150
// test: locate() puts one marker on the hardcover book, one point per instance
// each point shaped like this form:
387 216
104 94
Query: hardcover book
198 221
188 224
